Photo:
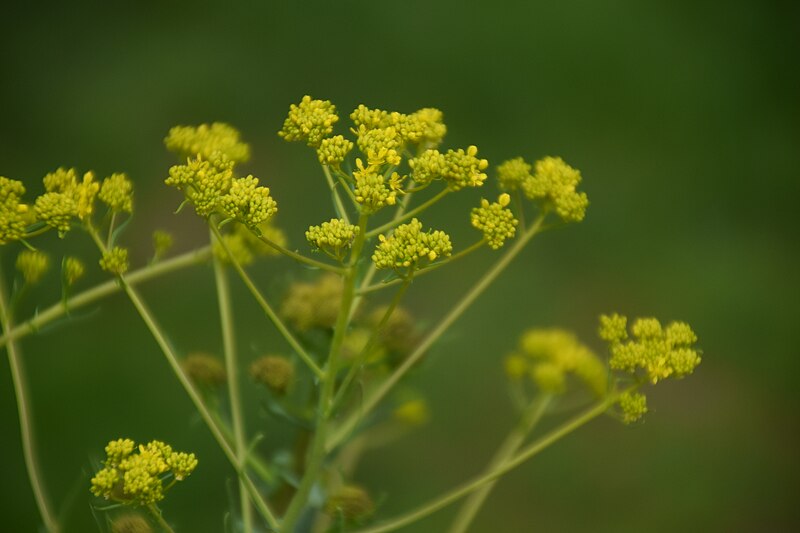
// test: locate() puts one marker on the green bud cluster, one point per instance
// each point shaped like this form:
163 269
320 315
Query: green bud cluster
135 475
204 369
633 406
204 181
350 502
334 237
495 220
459 168
512 174
274 372
313 305
310 121
206 140
373 190
409 248
73 270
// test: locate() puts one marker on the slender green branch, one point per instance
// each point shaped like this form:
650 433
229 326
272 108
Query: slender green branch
268 310
481 481
194 395
26 420
348 190
383 389
232 373
317 453
89 296
336 198
156 512
254 461
411 214
424 270
300 257
361 358
530 417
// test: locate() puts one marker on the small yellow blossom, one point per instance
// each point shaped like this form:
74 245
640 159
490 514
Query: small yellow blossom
205 370
12 210
73 270
371 190
313 305
430 165
351 503
464 169
248 203
162 242
381 146
412 412
203 181
56 209
633 406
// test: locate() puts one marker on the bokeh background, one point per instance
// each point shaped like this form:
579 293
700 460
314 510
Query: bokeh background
684 118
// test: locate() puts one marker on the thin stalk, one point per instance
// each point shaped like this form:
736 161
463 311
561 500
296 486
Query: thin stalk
88 296
373 340
423 270
27 436
268 310
194 395
481 481
411 214
530 417
300 257
346 186
318 451
111 229
156 512
384 388
234 395
337 200
253 460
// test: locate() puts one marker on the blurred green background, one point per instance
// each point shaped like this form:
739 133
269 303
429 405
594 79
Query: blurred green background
684 118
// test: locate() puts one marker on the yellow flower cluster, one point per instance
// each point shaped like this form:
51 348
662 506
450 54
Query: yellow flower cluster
204 181
409 247
423 127
459 168
248 203
313 305
117 193
382 146
412 412
73 270
162 242
13 213
372 190
274 372
310 121
513 173
33 264
333 150
135 475
115 261
549 355
495 220
66 197
555 182
334 238
633 406
660 352
205 140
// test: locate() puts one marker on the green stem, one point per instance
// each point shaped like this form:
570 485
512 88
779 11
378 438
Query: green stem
234 396
530 417
375 398
359 361
318 451
335 193
268 310
423 270
194 395
25 420
254 461
156 512
301 258
88 296
481 481
411 214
